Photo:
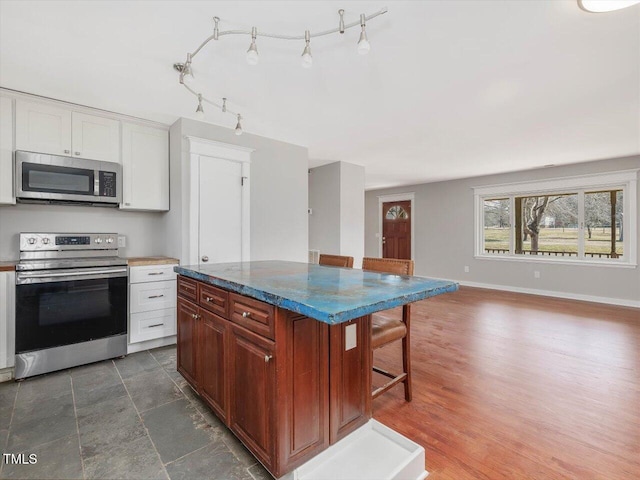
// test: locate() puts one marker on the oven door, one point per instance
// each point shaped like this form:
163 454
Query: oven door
65 307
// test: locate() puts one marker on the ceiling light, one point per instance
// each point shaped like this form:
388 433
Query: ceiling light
200 110
363 43
186 69
252 53
600 6
307 59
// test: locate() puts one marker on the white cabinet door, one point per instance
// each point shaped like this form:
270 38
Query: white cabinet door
96 138
145 165
43 128
6 151
7 319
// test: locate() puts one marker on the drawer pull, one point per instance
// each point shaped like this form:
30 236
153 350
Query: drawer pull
209 299
156 325
156 296
194 316
267 358
155 273
246 314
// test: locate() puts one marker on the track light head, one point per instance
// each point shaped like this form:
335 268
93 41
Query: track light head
252 53
239 126
363 44
200 110
307 59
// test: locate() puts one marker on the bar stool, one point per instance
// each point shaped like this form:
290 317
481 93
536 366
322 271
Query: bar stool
385 330
336 261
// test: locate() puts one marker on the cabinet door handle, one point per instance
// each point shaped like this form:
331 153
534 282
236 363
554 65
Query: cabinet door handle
194 316
156 296
152 273
246 314
267 358
156 325
77 153
66 151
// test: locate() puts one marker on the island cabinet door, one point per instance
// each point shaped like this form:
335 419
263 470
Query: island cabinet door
212 358
350 382
187 340
252 392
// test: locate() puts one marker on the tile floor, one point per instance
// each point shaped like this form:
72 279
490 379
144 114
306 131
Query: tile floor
133 418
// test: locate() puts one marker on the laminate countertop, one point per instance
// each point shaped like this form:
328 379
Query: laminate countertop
142 261
8 266
328 294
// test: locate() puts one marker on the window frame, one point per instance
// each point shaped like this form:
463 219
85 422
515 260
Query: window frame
625 180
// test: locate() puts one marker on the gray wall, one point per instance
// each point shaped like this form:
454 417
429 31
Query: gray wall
144 230
279 192
324 200
444 238
336 195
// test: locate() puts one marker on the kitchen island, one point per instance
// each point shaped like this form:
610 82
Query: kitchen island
281 350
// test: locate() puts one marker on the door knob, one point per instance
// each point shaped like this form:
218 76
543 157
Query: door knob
205 258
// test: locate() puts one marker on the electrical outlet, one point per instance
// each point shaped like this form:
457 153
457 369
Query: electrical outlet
122 241
536 274
466 269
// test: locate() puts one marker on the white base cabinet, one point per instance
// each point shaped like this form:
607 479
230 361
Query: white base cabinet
7 319
152 303
6 151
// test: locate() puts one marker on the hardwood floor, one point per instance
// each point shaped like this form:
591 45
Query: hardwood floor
513 386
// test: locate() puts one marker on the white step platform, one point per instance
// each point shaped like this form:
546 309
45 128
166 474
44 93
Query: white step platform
373 452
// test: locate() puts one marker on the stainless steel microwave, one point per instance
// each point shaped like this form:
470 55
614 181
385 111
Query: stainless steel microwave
43 178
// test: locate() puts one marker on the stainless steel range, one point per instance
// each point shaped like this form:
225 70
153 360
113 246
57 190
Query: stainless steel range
71 301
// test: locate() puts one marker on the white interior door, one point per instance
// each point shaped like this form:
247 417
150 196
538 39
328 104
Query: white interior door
220 236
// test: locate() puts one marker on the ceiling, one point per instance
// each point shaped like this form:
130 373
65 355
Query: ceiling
450 89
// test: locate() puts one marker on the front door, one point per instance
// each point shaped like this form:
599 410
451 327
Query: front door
220 210
396 230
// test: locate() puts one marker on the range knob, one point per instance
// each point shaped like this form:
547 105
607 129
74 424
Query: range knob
110 240
32 240
98 240
46 240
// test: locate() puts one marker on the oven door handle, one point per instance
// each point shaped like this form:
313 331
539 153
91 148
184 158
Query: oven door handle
32 277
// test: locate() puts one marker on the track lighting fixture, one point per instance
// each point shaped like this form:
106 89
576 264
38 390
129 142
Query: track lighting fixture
363 43
252 53
186 69
307 59
200 110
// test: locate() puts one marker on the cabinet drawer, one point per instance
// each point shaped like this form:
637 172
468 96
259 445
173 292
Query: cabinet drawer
145 297
252 314
187 288
151 325
151 273
214 299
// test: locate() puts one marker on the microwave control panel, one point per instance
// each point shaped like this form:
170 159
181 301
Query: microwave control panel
107 184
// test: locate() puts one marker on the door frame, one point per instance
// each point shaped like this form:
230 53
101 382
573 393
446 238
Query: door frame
397 197
202 147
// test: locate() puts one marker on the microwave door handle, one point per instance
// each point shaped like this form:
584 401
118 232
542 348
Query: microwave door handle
96 183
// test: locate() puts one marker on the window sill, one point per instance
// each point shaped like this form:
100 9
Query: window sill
557 261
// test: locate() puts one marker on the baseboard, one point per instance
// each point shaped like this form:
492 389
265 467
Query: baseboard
6 374
149 344
548 293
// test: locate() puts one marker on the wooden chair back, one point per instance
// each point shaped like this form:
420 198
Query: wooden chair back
395 266
336 261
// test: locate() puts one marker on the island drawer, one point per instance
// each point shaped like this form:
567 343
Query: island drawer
187 288
214 299
253 314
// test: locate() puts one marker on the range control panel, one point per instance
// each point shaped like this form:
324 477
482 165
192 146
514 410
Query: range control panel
30 242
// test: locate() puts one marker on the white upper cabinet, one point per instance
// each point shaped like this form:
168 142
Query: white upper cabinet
6 151
145 165
96 138
43 128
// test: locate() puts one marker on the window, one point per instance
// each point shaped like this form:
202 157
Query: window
577 219
397 212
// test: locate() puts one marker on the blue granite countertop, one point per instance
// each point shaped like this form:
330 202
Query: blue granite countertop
329 294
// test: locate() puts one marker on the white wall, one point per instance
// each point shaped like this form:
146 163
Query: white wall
279 191
444 239
336 197
144 230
